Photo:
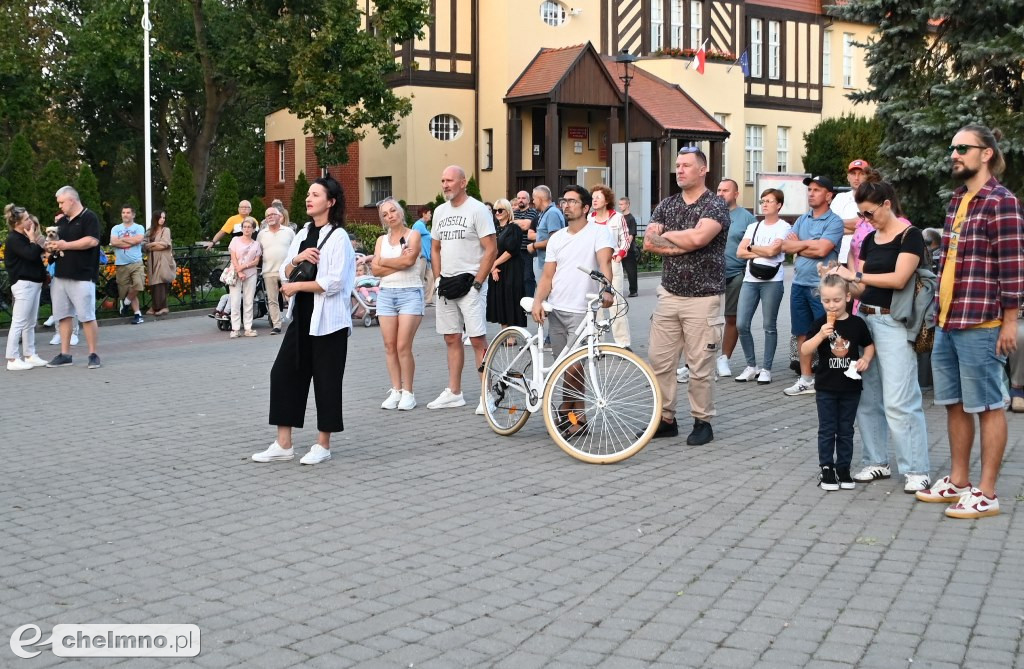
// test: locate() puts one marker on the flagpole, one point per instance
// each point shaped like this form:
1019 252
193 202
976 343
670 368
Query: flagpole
690 64
146 150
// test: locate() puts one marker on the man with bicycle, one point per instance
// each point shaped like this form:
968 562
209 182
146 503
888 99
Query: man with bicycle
565 287
689 230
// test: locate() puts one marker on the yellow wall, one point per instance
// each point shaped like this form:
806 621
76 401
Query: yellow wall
283 125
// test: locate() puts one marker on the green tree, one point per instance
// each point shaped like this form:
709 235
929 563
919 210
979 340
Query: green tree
296 206
51 178
182 213
20 173
833 143
937 65
473 189
258 207
225 199
89 192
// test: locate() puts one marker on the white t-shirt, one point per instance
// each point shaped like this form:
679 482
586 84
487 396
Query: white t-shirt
570 286
275 248
459 230
845 208
766 236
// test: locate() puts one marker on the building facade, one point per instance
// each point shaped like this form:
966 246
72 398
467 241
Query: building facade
522 92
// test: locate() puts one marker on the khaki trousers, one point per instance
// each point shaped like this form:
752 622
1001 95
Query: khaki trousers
272 282
693 326
620 326
428 281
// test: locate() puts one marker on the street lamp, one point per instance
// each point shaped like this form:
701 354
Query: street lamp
627 59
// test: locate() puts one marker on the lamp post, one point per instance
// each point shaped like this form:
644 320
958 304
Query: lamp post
627 59
146 150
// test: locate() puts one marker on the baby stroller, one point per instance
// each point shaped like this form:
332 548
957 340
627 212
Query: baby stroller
360 304
259 301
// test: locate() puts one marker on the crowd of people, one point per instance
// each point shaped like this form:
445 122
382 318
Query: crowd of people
869 292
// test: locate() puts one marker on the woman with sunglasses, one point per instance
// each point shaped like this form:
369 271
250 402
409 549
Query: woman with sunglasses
890 407
505 284
24 260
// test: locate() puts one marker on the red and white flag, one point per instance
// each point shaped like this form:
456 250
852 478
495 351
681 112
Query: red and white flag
699 58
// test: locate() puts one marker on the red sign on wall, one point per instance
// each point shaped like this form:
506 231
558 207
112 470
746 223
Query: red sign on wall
576 132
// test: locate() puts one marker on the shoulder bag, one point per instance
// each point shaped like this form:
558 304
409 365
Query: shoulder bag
305 270
758 270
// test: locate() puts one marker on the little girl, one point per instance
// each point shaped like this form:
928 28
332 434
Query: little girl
839 338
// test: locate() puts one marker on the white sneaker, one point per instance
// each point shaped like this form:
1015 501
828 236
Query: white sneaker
394 397
723 366
916 482
466 341
480 408
447 400
748 374
274 453
74 340
55 340
764 377
408 401
872 473
36 361
801 387
18 365
48 322
316 455
683 374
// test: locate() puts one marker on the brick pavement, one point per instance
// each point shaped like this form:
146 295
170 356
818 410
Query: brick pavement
128 495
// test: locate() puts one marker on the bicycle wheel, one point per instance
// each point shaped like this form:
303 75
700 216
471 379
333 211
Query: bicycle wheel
507 366
602 414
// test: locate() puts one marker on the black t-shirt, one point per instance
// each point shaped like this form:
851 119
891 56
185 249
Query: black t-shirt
304 299
79 265
531 214
24 259
838 352
881 259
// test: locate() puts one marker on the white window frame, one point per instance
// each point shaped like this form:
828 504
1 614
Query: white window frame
723 120
552 13
774 49
696 23
676 31
754 152
826 58
782 149
657 25
848 60
380 188
281 168
445 127
756 45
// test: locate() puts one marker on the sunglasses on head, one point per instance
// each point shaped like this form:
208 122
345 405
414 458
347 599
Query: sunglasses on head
689 149
962 149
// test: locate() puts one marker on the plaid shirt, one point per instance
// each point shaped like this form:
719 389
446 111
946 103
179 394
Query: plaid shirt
989 274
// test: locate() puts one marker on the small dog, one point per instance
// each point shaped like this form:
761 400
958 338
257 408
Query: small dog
52 236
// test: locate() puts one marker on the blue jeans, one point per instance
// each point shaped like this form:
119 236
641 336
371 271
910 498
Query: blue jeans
890 404
769 294
804 308
529 280
836 413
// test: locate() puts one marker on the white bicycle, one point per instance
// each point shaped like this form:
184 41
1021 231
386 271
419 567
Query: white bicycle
600 401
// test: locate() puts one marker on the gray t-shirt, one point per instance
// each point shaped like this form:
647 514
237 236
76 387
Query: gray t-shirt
458 230
739 220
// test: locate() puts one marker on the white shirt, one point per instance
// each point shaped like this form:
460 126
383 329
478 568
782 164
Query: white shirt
336 274
459 231
275 248
845 208
766 236
569 286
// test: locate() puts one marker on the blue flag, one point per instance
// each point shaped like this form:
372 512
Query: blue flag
745 64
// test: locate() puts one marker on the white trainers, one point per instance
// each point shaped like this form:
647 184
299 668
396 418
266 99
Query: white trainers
764 377
36 361
748 374
408 401
17 365
801 387
55 340
943 491
873 473
723 366
393 398
316 455
74 340
274 453
683 374
974 504
479 411
447 400
48 322
915 483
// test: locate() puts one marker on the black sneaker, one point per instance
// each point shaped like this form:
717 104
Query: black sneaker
60 361
126 310
666 429
94 361
137 319
702 433
827 479
846 481
275 331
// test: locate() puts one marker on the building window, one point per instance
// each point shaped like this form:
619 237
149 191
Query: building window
487 159
723 120
826 58
782 150
754 152
552 13
445 127
380 189
281 174
774 41
695 24
677 24
657 25
756 41
847 60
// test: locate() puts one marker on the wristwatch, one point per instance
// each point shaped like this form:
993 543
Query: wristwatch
478 285
858 276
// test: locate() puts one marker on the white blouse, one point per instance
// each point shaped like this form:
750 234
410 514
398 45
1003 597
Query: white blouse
336 274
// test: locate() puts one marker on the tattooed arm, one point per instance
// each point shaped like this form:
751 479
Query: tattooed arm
655 242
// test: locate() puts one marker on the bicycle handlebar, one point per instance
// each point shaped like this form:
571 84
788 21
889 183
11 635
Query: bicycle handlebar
596 275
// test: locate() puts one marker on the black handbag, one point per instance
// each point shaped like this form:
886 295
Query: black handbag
454 287
757 270
305 270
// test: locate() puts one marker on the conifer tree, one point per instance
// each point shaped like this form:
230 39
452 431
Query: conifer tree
182 213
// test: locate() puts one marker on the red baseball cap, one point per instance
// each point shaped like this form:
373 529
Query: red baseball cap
858 165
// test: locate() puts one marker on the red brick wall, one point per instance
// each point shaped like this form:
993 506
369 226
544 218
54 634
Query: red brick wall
347 175
273 187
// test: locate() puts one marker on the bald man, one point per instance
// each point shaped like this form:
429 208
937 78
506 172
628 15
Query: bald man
232 226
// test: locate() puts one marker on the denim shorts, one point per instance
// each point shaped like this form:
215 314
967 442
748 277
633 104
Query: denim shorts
965 368
400 301
804 308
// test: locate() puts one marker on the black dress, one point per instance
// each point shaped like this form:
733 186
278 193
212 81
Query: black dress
503 295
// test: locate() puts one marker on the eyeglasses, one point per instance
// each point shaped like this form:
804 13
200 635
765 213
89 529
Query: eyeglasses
567 201
869 215
962 149
768 201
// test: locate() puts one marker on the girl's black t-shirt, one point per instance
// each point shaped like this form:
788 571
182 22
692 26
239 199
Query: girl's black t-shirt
837 353
881 259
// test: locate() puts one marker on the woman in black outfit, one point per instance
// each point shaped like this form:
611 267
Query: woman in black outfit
505 285
315 344
23 257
